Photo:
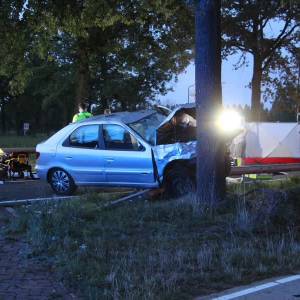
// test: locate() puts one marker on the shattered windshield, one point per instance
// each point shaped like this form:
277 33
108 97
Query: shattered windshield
146 127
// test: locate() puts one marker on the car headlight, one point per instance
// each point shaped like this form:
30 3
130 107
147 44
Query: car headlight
229 121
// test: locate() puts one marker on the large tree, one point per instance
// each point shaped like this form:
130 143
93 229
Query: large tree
210 149
125 51
14 45
263 29
118 43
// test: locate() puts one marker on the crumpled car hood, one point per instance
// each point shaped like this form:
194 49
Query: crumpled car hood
169 133
190 106
166 153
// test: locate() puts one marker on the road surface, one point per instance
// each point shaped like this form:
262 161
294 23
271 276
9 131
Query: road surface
28 189
31 189
17 190
283 288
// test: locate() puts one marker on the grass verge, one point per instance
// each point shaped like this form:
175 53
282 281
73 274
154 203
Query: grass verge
165 250
13 141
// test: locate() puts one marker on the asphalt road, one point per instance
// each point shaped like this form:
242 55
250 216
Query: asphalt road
29 189
285 288
287 291
21 190
17 190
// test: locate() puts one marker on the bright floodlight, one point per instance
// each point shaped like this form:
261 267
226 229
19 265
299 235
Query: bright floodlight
229 121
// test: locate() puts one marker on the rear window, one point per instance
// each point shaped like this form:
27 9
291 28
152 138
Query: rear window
85 137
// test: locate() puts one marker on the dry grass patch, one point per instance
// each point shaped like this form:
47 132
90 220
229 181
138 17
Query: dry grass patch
165 250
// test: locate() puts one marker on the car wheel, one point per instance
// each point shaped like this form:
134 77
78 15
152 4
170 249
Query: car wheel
61 182
178 182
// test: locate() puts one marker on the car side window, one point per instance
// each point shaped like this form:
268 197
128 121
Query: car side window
118 138
85 137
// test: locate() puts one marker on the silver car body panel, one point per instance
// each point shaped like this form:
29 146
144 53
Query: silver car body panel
164 154
48 150
111 167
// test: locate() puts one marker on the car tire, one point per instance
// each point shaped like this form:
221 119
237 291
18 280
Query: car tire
61 182
178 182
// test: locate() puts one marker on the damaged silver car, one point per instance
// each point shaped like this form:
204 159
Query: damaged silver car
143 149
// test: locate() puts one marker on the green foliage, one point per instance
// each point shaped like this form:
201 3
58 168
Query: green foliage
57 53
269 32
245 28
14 37
286 104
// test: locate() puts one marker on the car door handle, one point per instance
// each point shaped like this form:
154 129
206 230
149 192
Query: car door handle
69 157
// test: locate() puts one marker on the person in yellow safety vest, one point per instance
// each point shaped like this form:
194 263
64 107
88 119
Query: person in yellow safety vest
83 113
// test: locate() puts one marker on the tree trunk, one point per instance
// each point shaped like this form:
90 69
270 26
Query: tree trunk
256 87
83 74
3 118
210 149
221 145
218 58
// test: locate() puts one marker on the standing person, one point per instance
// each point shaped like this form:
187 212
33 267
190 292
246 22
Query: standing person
83 113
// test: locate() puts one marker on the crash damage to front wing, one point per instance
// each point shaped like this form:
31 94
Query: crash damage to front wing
164 154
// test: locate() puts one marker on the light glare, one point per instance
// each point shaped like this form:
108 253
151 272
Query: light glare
229 121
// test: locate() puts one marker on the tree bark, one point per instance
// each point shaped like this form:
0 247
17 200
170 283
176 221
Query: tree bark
256 87
83 74
3 118
210 148
221 145
218 58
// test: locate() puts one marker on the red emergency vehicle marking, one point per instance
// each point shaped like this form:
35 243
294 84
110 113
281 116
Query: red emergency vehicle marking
270 160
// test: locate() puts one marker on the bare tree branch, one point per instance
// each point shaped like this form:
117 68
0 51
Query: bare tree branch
277 44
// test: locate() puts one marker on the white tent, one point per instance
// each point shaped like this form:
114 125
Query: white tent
268 143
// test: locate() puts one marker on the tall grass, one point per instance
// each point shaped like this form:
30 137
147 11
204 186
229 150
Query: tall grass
163 250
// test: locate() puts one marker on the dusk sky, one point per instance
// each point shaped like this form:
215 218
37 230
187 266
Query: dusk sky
234 84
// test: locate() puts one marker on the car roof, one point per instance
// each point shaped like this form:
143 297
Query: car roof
125 116
186 105
128 117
